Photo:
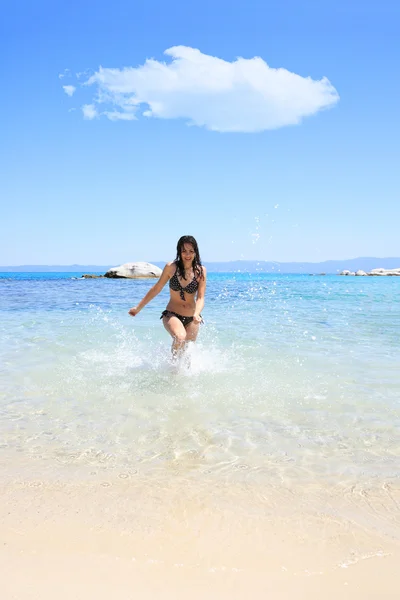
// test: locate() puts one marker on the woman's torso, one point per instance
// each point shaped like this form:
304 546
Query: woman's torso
183 292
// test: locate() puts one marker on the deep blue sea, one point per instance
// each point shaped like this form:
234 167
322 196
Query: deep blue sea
294 382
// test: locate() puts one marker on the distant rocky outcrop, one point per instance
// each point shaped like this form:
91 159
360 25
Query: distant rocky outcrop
374 272
88 276
389 272
134 270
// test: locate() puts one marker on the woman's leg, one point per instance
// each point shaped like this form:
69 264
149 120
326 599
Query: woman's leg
191 331
176 329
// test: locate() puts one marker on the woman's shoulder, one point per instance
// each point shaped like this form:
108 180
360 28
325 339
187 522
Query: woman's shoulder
203 271
170 267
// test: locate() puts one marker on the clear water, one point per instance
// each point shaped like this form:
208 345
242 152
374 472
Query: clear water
294 380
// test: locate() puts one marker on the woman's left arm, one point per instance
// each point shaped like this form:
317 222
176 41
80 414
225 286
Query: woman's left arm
201 292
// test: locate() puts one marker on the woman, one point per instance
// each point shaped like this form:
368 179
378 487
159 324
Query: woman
187 285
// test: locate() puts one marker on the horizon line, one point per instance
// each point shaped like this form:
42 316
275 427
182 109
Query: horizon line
254 260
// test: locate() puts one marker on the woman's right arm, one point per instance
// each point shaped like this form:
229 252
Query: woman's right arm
154 291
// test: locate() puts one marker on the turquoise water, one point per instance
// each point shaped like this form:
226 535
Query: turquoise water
294 380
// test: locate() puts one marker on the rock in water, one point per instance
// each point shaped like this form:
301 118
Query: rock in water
388 272
376 272
134 270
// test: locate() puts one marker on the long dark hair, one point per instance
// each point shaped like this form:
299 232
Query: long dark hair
196 264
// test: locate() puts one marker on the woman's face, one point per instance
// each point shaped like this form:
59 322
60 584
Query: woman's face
187 254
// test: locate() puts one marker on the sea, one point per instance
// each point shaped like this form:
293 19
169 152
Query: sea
293 387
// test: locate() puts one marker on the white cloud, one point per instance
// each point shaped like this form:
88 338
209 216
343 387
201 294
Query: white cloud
65 74
89 111
85 73
243 95
119 116
69 89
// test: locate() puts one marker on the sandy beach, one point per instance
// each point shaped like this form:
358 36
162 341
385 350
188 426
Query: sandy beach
128 539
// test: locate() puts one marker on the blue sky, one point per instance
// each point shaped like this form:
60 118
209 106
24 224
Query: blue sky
102 191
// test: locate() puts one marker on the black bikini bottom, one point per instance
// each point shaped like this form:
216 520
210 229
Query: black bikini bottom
184 320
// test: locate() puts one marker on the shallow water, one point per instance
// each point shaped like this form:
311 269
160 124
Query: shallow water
293 386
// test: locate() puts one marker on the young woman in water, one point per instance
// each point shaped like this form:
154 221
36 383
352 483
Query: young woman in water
187 286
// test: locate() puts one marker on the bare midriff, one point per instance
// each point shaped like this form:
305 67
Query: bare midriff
185 307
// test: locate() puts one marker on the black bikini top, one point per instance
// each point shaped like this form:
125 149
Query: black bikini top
175 285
